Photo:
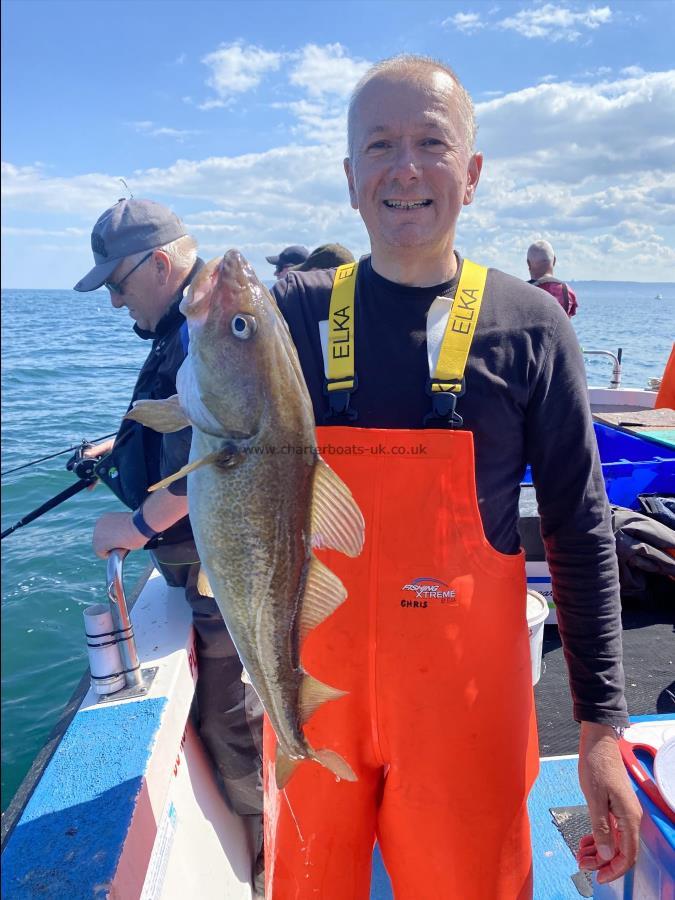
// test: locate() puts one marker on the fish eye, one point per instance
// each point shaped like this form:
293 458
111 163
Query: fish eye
243 327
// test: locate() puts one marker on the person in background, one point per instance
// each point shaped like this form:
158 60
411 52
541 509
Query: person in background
454 377
327 256
146 259
289 256
540 261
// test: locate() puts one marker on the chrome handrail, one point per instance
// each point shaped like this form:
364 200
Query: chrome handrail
121 621
616 369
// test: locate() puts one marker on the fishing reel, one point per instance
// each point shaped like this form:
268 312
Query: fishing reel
83 467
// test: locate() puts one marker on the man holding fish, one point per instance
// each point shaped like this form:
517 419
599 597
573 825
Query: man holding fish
370 572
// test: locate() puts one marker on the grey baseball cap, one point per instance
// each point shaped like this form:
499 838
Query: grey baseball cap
289 256
128 227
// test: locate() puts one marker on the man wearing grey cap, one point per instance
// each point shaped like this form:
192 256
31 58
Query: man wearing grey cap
289 256
146 259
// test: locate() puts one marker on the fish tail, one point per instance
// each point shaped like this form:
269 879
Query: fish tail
286 766
334 763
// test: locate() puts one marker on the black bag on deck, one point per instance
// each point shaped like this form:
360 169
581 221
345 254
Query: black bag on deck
645 548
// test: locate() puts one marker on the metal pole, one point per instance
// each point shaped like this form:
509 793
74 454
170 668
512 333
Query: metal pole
121 621
615 381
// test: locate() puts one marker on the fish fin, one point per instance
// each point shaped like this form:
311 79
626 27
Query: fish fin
335 763
314 694
324 592
284 768
336 520
160 415
190 467
203 584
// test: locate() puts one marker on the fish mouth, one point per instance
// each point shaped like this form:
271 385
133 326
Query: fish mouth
407 204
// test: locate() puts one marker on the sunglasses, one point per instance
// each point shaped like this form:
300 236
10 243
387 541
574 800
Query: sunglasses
115 287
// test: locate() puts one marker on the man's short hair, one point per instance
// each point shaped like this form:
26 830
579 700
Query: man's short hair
414 65
182 252
541 251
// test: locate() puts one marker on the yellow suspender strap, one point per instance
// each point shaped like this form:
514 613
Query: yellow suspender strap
459 331
446 382
340 365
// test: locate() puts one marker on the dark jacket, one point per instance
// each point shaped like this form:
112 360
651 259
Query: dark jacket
140 456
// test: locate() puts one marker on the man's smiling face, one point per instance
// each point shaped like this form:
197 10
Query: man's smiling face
411 170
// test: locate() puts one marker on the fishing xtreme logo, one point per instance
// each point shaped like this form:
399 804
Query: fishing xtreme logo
421 591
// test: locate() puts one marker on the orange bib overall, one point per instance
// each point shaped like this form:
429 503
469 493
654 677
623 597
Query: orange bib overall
432 646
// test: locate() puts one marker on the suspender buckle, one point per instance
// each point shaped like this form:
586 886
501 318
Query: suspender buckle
338 402
443 403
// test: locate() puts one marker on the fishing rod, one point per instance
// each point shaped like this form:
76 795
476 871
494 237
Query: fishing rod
83 467
60 453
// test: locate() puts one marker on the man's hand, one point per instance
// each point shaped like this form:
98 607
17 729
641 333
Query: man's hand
161 510
614 810
95 451
98 450
113 530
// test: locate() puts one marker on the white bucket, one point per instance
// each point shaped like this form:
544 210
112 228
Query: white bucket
537 613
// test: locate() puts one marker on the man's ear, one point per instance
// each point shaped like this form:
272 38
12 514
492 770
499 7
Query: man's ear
350 183
161 266
473 176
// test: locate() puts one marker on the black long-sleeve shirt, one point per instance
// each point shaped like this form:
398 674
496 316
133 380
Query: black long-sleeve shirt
525 402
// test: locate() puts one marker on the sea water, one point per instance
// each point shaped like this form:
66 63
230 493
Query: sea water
69 363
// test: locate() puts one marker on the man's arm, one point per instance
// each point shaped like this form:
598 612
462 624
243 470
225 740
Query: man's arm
161 510
580 550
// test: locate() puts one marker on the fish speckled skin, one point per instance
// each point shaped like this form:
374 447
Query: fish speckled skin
263 497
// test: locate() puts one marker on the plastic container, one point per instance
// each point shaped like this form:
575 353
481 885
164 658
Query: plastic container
631 465
105 662
664 770
537 613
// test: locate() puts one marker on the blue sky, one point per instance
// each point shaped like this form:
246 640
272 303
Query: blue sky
234 115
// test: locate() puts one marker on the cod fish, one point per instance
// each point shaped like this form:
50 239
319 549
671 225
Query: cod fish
260 496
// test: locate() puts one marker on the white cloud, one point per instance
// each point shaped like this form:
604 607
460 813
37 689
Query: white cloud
590 166
602 72
258 202
569 130
151 129
236 68
318 120
556 23
28 188
633 71
327 75
550 21
468 23
326 70
216 104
